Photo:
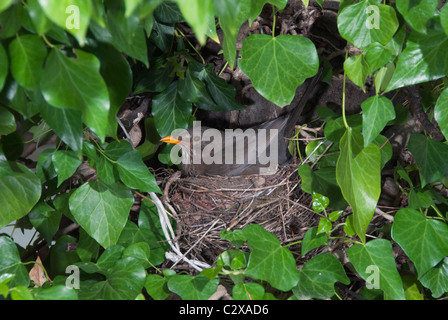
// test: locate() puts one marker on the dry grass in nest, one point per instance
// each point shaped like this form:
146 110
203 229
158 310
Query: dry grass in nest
207 205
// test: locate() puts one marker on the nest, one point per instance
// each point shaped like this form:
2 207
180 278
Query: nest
207 205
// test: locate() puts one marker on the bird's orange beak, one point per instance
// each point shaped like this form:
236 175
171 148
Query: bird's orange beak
170 139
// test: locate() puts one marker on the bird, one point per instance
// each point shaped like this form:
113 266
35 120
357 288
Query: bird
259 149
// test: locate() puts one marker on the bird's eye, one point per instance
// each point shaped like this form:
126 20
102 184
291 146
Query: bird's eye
196 138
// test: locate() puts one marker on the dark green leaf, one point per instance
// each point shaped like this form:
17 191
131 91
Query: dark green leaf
377 111
65 164
170 111
441 112
7 122
46 220
20 190
430 155
313 240
436 279
3 66
77 83
417 13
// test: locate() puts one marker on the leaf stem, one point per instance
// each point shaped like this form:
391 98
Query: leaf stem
273 22
43 268
191 45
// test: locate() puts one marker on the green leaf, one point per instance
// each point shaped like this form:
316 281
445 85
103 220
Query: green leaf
135 174
77 83
124 281
335 215
377 111
102 210
72 15
322 181
268 260
65 163
313 240
277 66
417 12
423 240
377 56
318 276
157 287
139 251
195 11
320 202
324 226
126 33
441 112
10 263
3 66
430 155
20 189
192 288
424 58
411 288
170 111
367 22
55 292
357 70
248 291
222 93
375 262
436 279
46 220
358 173
38 17
27 56
5 4
149 231
7 122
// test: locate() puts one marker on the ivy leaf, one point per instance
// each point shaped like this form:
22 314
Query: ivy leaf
5 4
441 112
7 122
422 239
102 210
156 286
268 260
77 83
377 111
65 163
313 240
135 174
20 189
46 220
10 263
430 155
170 111
425 58
357 70
222 93
318 276
367 22
248 291
375 259
277 66
417 13
27 56
436 279
358 173
195 11
192 288
72 15
124 280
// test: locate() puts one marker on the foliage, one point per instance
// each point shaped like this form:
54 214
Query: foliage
67 66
